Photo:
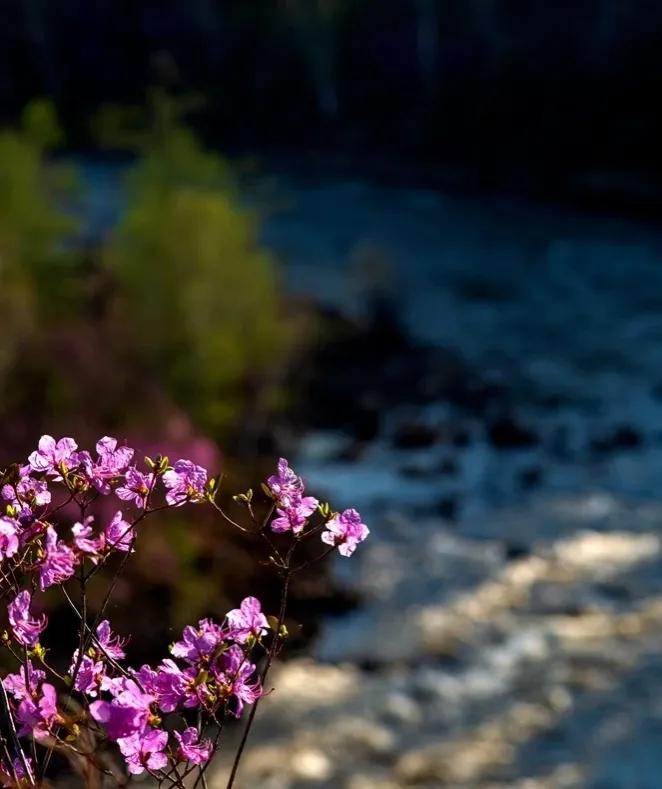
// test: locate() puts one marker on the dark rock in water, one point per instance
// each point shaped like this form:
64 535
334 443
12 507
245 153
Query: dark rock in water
417 471
623 437
514 551
448 467
360 369
461 438
352 452
366 421
449 507
507 433
530 477
414 435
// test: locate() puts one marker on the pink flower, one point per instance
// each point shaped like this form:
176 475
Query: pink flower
295 517
55 458
9 530
38 713
234 671
144 750
112 645
90 675
15 683
26 630
286 486
27 494
185 482
16 769
175 687
59 563
84 541
111 463
136 488
247 620
127 713
198 645
119 534
345 530
192 748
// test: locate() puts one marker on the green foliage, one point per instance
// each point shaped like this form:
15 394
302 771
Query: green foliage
34 261
196 292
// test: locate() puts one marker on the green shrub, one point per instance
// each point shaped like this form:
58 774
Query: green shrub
196 293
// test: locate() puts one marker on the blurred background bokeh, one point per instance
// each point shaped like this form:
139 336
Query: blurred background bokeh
414 247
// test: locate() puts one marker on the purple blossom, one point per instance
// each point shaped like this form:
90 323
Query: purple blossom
38 713
83 539
192 748
127 714
198 645
17 768
58 564
144 750
25 629
15 683
286 486
112 645
234 671
27 494
247 620
185 482
90 675
119 533
345 530
9 530
295 517
136 487
112 461
55 457
147 678
175 687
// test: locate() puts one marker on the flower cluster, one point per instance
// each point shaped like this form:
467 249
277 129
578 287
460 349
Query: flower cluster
211 672
215 672
343 530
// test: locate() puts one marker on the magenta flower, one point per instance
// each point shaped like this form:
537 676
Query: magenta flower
25 629
198 645
90 675
147 678
112 645
55 457
144 751
345 530
247 620
234 671
15 683
38 713
295 517
286 486
119 534
59 563
127 713
192 748
111 463
175 687
136 487
16 769
27 494
185 482
84 541
9 530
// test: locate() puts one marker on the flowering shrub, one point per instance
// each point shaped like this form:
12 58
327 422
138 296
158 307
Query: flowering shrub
167 719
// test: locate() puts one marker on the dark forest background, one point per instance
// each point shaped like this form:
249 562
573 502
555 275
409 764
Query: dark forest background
540 96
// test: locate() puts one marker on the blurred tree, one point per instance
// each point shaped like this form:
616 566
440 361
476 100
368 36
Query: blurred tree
36 265
196 296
